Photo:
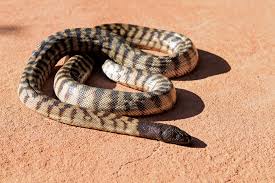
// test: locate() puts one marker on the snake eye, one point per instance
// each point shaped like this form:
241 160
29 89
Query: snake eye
178 136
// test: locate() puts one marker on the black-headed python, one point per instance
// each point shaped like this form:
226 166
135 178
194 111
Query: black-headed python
104 109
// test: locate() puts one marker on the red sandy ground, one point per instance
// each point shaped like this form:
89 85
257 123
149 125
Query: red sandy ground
227 103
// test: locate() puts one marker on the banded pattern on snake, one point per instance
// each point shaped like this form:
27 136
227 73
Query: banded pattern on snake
128 64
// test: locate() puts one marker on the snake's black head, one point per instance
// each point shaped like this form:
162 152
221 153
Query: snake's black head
174 135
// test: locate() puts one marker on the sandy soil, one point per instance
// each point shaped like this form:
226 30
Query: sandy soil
227 103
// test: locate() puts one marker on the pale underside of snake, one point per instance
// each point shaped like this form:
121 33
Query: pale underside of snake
104 109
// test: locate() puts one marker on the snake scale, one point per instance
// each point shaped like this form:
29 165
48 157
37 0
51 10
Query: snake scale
105 109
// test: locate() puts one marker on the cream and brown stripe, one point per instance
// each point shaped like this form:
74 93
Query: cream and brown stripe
159 95
99 108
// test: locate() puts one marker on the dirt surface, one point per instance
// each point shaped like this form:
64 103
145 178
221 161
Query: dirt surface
227 103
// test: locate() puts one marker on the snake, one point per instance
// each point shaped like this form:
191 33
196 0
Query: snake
127 62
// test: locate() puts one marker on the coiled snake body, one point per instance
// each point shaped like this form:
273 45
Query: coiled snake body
103 109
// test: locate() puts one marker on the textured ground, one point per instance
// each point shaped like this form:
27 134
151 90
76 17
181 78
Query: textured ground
227 103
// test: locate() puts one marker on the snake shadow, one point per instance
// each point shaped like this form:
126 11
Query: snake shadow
188 103
209 65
